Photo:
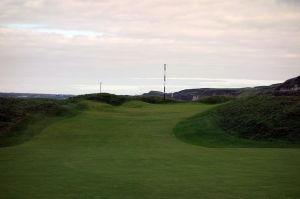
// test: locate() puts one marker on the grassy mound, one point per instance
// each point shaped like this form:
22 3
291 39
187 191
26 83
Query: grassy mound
263 121
135 104
103 97
204 130
215 99
262 118
117 100
16 115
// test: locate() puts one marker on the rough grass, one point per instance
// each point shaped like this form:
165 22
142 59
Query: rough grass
203 130
117 100
215 99
16 115
130 151
261 121
262 118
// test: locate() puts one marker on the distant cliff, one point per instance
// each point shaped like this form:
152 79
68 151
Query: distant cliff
195 94
289 87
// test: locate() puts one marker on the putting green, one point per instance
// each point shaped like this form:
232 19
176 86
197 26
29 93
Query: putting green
131 151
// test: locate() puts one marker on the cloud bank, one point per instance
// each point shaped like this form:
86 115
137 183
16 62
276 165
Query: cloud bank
54 46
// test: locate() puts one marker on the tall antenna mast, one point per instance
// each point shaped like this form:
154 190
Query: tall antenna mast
165 68
100 87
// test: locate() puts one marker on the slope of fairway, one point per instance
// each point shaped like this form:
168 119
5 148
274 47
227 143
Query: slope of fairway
130 151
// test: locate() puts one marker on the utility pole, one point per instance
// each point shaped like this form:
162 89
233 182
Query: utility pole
165 68
100 87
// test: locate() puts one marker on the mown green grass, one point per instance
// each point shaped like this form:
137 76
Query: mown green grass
130 151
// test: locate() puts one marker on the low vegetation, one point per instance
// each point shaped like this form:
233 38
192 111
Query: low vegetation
261 121
215 99
262 118
17 114
155 99
118 100
103 97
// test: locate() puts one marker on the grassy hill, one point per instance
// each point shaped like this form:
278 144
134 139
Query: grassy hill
17 114
130 151
261 121
262 118
117 100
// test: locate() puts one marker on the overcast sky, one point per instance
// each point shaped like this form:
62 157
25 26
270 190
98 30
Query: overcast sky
69 46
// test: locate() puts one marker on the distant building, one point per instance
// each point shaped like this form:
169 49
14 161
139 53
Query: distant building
195 98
